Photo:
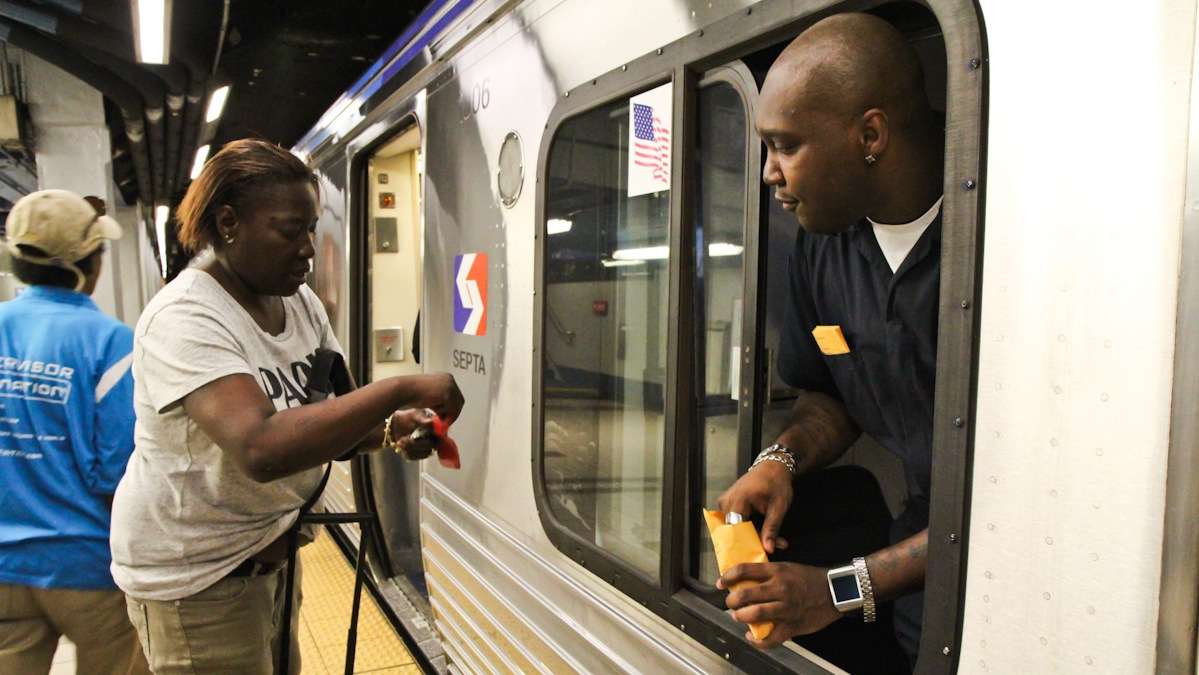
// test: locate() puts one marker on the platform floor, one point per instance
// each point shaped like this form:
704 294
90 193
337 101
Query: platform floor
328 583
325 617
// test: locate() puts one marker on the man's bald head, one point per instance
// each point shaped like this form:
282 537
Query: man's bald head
847 126
848 64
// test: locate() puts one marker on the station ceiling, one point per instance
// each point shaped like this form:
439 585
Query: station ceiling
290 59
287 62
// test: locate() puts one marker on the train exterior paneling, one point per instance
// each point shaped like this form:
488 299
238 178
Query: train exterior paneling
1084 181
1076 354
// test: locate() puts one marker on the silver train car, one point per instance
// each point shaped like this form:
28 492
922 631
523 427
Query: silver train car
611 310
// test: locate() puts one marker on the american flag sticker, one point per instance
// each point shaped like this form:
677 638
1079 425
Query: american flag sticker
649 141
470 294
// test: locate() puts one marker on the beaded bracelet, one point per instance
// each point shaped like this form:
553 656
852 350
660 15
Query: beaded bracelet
387 440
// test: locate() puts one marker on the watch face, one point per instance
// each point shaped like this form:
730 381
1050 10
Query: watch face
845 588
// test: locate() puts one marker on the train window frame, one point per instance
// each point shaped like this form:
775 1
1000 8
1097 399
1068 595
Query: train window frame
683 63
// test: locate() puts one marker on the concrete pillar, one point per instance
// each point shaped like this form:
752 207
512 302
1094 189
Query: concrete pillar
74 153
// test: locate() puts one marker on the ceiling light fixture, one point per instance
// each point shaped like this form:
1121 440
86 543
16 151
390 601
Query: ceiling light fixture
161 214
201 157
216 104
723 248
621 263
152 30
647 253
558 225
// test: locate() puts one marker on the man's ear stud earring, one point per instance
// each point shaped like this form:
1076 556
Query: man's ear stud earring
870 160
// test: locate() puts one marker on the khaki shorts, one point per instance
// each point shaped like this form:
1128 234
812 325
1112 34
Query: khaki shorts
232 626
33 619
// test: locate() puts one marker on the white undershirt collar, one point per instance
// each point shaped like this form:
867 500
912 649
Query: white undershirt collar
897 241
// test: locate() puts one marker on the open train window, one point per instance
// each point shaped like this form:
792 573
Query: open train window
606 276
658 323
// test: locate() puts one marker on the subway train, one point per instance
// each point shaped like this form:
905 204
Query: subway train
560 202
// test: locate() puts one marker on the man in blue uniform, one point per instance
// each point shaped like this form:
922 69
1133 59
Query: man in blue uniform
856 153
66 433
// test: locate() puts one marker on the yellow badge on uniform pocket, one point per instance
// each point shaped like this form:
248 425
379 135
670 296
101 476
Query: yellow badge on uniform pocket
831 340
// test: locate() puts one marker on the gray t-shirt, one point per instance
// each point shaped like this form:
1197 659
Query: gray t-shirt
184 514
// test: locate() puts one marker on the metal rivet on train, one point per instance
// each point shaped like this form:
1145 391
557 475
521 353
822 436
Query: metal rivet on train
945 651
659 52
567 94
967 184
727 656
965 304
749 11
957 422
953 538
701 34
975 63
624 68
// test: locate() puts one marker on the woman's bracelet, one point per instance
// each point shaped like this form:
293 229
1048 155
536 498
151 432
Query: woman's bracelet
387 440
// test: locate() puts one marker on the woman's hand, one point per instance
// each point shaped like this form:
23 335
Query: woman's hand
413 446
438 391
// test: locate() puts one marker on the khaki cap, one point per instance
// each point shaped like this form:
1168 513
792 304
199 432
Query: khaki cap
63 225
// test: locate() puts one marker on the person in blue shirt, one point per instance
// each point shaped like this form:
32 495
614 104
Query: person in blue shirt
66 433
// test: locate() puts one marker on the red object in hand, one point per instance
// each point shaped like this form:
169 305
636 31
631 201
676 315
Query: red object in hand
447 449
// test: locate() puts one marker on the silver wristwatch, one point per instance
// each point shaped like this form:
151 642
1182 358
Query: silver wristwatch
851 589
777 453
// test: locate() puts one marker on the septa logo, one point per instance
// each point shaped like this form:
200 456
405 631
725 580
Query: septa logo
470 294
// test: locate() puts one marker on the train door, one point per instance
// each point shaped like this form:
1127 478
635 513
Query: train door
392 256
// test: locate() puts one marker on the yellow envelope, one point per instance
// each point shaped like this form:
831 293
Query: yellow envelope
736 544
830 340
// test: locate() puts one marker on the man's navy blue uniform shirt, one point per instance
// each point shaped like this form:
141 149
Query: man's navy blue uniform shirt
66 433
890 323
886 380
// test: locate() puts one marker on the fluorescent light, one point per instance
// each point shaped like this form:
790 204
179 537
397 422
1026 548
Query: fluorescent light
198 165
723 248
216 104
558 225
161 214
647 253
152 30
621 263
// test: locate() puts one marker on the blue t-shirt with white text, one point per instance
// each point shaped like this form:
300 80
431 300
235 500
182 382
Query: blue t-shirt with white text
66 433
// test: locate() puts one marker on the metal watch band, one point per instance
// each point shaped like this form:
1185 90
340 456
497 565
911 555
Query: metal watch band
777 453
869 613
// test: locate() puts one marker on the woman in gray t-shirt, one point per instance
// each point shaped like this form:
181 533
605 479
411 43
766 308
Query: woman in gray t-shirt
227 446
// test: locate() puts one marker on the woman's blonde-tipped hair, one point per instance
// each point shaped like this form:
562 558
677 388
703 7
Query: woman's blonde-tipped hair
230 178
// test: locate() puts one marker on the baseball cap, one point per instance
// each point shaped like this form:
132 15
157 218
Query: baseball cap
63 227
